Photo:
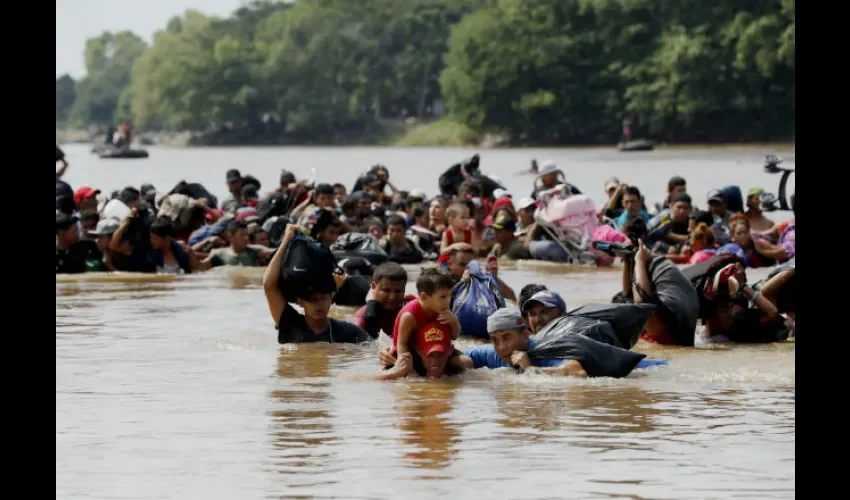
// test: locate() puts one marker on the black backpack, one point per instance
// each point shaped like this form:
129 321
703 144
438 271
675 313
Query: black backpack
308 268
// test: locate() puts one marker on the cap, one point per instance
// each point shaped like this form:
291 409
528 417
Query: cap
222 224
503 203
147 189
359 194
105 227
247 214
525 203
64 221
504 221
611 183
249 192
434 337
417 193
716 195
85 192
233 175
499 193
506 318
547 298
756 191
547 167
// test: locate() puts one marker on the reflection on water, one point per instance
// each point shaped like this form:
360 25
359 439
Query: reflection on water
425 425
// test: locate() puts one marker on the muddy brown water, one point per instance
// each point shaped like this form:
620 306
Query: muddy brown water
175 387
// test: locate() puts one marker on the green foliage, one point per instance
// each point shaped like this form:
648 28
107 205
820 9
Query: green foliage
535 71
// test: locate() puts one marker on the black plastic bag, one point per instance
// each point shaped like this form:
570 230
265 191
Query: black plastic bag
353 291
452 178
627 320
677 298
275 227
359 245
195 191
561 340
308 267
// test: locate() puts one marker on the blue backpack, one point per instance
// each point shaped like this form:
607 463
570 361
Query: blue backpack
474 301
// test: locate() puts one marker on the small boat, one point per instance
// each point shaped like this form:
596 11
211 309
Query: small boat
636 145
115 153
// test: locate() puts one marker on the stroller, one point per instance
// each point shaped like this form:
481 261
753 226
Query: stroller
570 220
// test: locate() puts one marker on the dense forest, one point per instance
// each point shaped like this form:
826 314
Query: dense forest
557 72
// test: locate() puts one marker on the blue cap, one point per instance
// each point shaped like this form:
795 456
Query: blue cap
547 298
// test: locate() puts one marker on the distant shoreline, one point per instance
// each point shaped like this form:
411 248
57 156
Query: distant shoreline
183 139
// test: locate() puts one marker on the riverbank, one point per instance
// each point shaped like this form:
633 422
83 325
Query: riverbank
443 133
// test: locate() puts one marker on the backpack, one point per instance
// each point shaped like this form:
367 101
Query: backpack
307 268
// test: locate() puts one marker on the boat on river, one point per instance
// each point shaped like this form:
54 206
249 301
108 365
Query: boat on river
636 145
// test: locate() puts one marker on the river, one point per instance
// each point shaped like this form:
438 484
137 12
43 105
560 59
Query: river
175 387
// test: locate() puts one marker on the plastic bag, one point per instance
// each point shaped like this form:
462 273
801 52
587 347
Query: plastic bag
678 299
359 245
474 301
307 268
627 321
564 338
353 291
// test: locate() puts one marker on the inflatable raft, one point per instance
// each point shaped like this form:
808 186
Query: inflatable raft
636 145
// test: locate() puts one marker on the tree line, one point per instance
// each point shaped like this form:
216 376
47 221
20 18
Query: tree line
537 71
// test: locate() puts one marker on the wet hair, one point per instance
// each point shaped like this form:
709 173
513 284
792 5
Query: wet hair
419 212
682 197
704 234
455 209
527 291
737 220
338 185
634 227
399 205
456 251
374 221
397 220
350 205
324 189
675 182
89 215
129 194
162 227
632 190
433 279
325 220
703 217
287 177
390 271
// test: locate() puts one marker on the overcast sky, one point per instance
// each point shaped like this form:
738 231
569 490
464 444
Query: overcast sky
78 20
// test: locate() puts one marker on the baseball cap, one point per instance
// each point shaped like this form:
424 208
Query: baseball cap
499 193
504 221
85 192
756 191
105 227
547 298
716 195
503 202
233 175
525 203
506 318
417 193
434 337
247 214
611 183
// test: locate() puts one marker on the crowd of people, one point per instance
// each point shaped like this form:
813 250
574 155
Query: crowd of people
188 230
